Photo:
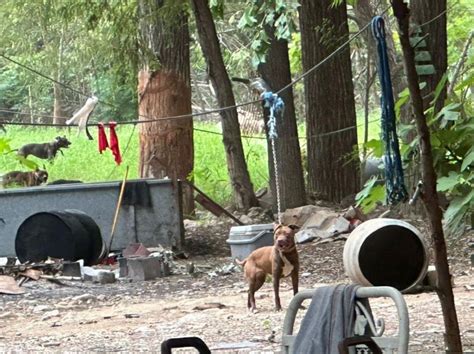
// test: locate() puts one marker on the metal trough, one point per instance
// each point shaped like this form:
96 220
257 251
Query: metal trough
158 223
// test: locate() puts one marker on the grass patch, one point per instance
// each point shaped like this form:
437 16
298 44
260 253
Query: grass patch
82 160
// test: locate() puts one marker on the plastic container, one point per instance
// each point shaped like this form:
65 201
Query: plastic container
386 252
243 240
70 235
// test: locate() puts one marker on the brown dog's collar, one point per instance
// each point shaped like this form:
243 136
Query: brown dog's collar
289 250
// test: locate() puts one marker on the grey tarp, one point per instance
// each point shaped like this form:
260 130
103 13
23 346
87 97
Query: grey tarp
329 319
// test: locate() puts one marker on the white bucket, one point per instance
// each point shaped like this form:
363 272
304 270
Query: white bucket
386 252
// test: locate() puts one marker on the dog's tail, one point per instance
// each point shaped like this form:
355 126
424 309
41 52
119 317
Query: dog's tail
10 151
241 263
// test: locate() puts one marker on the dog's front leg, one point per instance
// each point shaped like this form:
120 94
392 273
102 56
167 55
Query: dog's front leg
294 279
276 275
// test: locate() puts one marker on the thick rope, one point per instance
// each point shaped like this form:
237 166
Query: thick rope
394 182
275 105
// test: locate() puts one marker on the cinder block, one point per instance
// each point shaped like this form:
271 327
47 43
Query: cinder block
144 268
105 278
123 266
72 269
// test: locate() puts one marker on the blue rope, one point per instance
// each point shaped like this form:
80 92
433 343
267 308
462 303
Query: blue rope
396 191
276 106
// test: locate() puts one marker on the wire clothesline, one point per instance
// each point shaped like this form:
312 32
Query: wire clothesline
148 119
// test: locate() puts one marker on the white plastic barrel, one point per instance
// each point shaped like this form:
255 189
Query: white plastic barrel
386 252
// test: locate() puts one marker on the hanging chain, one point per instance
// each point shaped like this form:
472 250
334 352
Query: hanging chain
277 181
275 106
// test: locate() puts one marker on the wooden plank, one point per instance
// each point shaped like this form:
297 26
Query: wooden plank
209 204
418 42
425 70
422 55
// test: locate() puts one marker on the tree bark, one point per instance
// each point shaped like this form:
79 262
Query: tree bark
164 88
425 11
276 73
429 196
244 196
329 97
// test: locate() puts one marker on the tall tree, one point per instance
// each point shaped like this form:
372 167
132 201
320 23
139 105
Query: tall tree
329 96
244 196
431 15
429 194
164 88
276 73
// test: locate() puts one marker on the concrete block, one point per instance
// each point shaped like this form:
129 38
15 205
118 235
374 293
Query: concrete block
144 268
123 266
305 236
105 278
72 269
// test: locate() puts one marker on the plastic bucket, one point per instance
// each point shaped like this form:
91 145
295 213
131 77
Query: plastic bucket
70 235
386 252
243 240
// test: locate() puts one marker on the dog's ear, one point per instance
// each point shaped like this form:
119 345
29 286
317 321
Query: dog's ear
294 227
276 226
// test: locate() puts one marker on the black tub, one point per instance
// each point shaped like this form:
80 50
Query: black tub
70 235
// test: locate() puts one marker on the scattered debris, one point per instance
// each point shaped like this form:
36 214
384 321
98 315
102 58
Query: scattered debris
50 314
224 270
321 223
131 315
209 305
135 250
9 286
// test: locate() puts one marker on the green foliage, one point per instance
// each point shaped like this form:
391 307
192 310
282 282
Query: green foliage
460 15
372 194
91 46
82 160
7 154
452 136
259 17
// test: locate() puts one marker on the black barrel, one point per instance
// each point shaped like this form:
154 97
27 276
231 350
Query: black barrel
70 235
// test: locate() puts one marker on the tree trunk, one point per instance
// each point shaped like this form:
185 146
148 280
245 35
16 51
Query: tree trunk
424 13
276 73
244 196
329 96
429 196
166 146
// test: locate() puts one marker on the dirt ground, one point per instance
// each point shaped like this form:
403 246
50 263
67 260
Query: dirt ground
210 304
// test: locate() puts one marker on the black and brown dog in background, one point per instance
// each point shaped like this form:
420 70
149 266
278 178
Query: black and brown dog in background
279 260
45 150
24 179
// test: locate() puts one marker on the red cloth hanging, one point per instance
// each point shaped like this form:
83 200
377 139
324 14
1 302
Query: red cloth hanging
103 143
114 143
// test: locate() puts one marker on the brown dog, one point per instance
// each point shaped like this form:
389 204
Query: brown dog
279 260
24 179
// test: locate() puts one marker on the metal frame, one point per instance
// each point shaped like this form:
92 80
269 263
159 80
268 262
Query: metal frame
388 344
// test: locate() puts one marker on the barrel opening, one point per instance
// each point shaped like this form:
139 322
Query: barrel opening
392 256
70 235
